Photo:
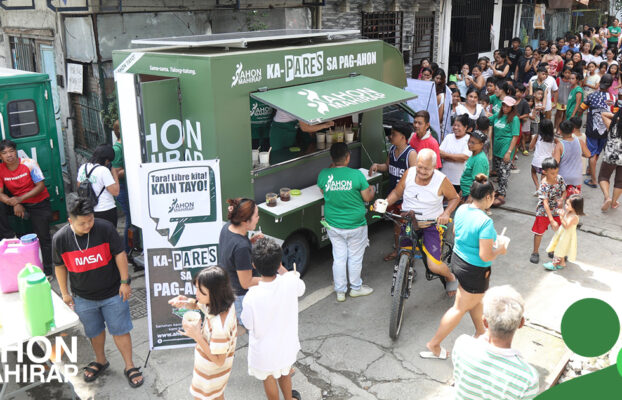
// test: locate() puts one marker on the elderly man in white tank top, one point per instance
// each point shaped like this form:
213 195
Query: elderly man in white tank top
423 189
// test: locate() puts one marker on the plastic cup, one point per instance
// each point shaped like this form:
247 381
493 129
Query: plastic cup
284 194
329 139
321 137
192 317
349 137
255 153
264 158
271 199
339 137
381 206
503 240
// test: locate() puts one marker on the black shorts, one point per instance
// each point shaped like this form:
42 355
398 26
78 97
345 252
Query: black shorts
473 279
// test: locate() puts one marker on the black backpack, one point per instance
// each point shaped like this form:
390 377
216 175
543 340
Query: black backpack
85 188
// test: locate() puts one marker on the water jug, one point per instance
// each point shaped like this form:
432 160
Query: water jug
36 294
14 255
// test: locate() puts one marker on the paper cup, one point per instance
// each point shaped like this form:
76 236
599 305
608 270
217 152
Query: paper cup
264 158
349 137
255 153
503 241
192 317
381 206
321 137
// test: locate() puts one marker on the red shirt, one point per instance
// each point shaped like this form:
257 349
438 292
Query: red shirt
427 142
23 180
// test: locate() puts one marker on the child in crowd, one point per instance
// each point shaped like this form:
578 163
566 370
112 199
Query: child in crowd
564 242
523 110
592 79
602 68
216 335
571 164
537 111
577 122
564 85
478 161
552 195
525 127
484 101
270 313
491 86
544 145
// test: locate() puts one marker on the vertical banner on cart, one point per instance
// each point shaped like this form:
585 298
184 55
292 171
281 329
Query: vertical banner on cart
539 14
182 218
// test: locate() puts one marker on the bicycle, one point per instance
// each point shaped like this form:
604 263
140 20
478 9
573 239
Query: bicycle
404 273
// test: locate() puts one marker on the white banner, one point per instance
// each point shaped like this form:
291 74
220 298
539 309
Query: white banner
181 222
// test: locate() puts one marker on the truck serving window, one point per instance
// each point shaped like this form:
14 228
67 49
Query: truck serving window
22 118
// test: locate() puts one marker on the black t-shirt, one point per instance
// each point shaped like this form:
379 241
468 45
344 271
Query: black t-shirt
522 75
93 271
234 255
514 55
522 108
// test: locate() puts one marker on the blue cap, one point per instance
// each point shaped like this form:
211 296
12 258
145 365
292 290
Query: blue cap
31 237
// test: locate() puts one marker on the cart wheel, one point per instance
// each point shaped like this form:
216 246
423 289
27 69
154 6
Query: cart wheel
296 250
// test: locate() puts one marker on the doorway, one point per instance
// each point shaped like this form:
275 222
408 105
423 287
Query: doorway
470 31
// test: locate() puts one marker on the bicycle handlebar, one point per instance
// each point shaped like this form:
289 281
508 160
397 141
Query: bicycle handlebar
408 216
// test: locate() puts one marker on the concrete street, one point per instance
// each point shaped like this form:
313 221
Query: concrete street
346 350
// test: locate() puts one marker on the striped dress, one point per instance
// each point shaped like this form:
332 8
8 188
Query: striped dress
208 379
485 372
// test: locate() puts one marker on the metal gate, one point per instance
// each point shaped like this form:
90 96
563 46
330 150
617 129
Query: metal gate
23 53
423 41
386 26
470 31
507 25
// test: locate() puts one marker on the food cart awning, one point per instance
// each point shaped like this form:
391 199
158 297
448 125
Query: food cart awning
318 102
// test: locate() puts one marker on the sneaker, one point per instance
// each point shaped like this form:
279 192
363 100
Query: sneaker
535 258
363 291
341 296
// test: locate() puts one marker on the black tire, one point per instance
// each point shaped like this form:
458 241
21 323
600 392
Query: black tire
296 250
397 301
446 253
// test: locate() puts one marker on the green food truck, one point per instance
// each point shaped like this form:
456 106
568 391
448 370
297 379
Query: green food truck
27 118
268 105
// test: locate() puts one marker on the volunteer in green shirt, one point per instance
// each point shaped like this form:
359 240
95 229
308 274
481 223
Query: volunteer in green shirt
502 90
345 192
261 117
119 164
575 98
506 130
614 34
284 135
476 164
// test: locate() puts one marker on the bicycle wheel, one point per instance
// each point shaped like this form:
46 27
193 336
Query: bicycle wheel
399 292
446 253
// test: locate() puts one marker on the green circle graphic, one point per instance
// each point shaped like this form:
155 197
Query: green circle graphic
619 363
590 327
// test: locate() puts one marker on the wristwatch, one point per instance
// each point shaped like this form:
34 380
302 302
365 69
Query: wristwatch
126 281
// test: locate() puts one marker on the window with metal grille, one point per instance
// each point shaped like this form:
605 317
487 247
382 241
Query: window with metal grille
23 53
90 131
22 118
423 41
386 26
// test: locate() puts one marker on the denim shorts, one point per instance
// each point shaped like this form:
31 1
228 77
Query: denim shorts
238 308
113 311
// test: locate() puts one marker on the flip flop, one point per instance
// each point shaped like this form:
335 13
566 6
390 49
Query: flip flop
431 356
96 372
390 256
550 266
589 183
606 205
130 376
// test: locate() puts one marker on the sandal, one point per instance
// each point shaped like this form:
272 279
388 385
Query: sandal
391 256
589 183
130 377
296 395
96 372
498 202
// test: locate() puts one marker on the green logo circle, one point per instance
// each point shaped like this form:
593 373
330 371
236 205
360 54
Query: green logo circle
590 328
619 363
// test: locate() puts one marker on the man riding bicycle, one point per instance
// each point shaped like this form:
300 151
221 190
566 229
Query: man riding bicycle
422 189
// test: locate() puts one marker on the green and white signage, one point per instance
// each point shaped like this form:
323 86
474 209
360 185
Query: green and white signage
322 101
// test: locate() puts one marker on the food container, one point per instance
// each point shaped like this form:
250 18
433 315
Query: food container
264 158
192 317
285 194
381 206
271 199
255 153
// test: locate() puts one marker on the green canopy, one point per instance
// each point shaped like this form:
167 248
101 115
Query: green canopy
318 102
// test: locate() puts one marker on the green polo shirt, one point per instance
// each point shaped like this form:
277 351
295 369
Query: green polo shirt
344 207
